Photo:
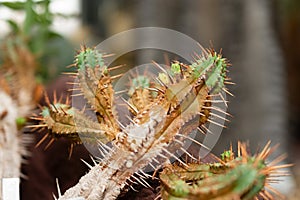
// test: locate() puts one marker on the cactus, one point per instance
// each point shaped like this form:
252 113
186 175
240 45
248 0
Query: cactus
244 177
154 131
163 112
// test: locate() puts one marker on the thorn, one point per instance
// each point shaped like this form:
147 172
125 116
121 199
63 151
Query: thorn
72 65
204 52
121 125
166 59
55 108
160 82
37 126
165 71
102 149
209 131
108 55
131 181
158 197
163 156
104 146
72 83
263 153
131 120
214 101
58 188
87 164
217 109
49 144
133 188
199 129
172 155
229 83
131 106
115 67
63 111
47 99
95 163
121 91
225 90
67 100
76 95
195 141
195 56
54 197
70 73
143 183
60 98
155 171
213 95
225 102
187 153
140 175
220 117
74 89
70 151
54 97
155 160
146 175
116 76
178 141
156 90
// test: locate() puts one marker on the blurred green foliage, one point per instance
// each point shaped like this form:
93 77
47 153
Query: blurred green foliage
51 49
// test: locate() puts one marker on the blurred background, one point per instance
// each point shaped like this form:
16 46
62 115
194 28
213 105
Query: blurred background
261 38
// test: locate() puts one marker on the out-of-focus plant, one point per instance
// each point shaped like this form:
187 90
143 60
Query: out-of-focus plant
36 33
25 60
36 27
